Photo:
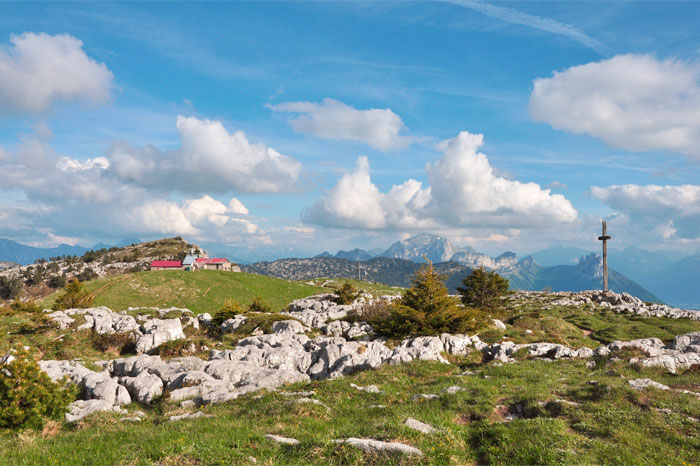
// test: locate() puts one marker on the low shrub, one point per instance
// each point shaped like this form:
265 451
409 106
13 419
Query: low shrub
258 305
346 294
28 396
175 348
229 310
73 296
120 343
25 306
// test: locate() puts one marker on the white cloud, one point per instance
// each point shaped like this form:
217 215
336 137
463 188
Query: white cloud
210 160
332 119
671 211
631 102
463 192
39 69
203 216
67 164
82 198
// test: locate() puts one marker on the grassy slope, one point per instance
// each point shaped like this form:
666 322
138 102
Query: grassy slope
610 424
203 291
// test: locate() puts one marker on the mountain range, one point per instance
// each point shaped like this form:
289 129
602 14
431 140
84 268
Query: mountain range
667 276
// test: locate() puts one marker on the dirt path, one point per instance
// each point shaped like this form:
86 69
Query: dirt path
104 287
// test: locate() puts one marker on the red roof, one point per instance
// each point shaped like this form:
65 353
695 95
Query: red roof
166 264
211 261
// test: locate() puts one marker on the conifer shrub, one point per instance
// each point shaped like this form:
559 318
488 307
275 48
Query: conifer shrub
229 310
425 309
483 289
28 396
25 306
74 296
346 294
259 305
120 343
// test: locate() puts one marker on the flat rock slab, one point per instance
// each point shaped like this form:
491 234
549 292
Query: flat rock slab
283 440
453 389
419 426
425 396
81 408
641 384
188 416
377 446
368 388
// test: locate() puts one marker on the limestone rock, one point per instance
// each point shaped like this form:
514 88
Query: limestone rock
498 324
81 408
144 387
283 440
641 384
419 426
377 446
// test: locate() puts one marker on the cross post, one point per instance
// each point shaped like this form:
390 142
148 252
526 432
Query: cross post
605 239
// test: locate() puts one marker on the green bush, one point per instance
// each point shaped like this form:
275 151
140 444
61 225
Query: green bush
25 306
425 309
120 343
229 310
346 294
483 289
73 296
258 305
28 396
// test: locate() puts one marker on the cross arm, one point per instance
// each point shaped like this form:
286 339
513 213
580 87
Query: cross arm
604 237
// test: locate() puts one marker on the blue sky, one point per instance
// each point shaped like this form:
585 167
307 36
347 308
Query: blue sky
289 128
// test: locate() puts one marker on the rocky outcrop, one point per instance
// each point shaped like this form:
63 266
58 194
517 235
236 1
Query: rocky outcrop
618 302
681 353
378 447
148 335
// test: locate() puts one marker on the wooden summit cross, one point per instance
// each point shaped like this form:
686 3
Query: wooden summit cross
605 239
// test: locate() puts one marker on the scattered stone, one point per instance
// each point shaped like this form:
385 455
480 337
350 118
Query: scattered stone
196 415
377 446
424 396
368 388
312 401
302 393
641 384
453 389
82 408
419 426
282 440
498 324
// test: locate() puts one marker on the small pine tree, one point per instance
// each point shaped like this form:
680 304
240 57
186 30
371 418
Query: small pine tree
73 296
346 294
428 292
425 309
483 288
28 396
258 305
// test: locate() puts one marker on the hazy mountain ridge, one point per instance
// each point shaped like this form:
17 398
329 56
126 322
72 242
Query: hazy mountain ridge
525 275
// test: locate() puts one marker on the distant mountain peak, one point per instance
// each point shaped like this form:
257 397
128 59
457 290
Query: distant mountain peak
435 248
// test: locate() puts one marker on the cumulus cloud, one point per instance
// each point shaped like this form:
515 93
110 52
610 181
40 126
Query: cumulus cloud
672 211
464 191
80 198
210 159
38 69
331 119
631 102
199 216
